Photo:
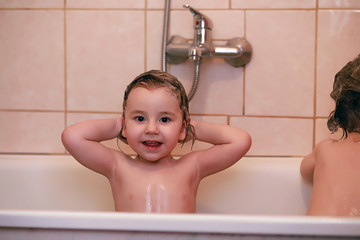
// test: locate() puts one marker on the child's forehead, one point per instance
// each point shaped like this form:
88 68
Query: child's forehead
152 101
158 89
165 91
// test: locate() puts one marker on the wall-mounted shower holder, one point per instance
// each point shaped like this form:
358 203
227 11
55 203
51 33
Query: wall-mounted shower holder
236 51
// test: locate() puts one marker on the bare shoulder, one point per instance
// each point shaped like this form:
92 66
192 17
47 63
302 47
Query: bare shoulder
325 144
319 154
327 150
327 141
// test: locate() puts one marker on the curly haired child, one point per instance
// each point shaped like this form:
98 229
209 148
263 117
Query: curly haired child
334 165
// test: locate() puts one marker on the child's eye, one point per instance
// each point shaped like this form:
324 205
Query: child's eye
139 118
165 119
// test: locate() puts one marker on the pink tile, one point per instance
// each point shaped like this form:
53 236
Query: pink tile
198 4
220 87
339 3
103 55
338 43
273 4
158 4
32 60
105 4
279 80
31 132
31 4
222 20
181 23
109 42
154 39
277 136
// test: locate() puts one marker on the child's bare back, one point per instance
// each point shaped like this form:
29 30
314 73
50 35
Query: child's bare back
336 177
334 165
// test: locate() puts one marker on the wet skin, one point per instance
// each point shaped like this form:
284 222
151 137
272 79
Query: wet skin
334 168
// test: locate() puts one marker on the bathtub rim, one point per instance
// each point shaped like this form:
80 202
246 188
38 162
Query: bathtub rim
188 223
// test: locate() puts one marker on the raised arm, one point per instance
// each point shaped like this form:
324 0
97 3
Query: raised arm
83 139
229 145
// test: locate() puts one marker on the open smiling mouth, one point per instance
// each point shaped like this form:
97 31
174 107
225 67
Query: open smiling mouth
152 144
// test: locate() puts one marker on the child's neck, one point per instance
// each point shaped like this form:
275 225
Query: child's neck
164 160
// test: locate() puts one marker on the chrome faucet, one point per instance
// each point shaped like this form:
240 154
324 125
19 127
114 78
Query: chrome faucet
202 43
236 52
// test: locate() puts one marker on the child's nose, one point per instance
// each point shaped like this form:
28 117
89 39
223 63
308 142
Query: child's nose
151 128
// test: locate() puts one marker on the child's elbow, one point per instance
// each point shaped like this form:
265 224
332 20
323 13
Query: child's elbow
306 172
244 143
307 177
67 137
247 141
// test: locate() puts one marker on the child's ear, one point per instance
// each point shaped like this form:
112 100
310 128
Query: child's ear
122 135
123 128
182 134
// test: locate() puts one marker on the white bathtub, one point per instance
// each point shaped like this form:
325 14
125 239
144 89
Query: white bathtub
256 198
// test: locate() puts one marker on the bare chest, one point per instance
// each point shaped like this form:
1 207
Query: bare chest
168 189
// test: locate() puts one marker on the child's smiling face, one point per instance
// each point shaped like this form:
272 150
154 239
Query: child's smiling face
153 122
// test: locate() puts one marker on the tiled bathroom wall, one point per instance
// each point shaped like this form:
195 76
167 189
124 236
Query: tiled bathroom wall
63 61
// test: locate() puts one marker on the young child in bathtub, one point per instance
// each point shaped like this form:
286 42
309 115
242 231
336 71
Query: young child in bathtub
155 118
334 165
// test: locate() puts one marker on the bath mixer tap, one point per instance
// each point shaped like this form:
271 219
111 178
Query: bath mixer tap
236 52
202 43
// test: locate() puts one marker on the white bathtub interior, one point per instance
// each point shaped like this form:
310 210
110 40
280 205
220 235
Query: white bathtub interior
270 186
266 186
258 195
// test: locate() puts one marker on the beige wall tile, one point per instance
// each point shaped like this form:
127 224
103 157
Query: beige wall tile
31 4
104 55
105 4
32 60
154 36
220 88
338 43
31 132
339 3
234 20
110 42
277 136
200 4
181 23
273 3
280 77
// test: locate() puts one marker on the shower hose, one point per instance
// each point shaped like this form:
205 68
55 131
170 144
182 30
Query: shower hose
163 53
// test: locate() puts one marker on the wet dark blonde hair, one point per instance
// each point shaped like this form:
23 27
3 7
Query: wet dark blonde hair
346 94
157 79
